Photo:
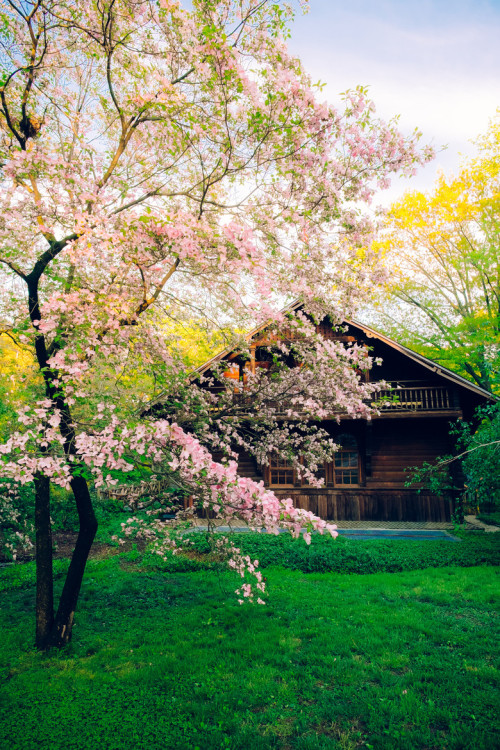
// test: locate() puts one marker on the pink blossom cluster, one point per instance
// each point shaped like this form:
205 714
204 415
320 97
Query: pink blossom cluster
220 491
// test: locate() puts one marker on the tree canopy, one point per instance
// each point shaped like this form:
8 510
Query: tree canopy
442 254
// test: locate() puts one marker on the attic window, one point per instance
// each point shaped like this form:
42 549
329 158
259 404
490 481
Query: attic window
233 376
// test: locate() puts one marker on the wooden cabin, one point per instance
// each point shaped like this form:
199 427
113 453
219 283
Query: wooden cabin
366 479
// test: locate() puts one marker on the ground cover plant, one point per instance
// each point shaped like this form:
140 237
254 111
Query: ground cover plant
369 556
333 661
321 556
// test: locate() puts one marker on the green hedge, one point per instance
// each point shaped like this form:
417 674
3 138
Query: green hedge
358 556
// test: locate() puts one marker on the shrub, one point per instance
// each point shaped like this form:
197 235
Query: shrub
345 555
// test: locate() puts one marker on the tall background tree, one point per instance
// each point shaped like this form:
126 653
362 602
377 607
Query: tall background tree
442 252
161 163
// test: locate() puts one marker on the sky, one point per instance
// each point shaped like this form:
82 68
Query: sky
436 63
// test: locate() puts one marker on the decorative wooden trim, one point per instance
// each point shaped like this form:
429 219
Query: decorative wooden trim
368 449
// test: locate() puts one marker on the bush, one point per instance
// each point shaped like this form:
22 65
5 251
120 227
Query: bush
16 517
64 514
481 461
341 555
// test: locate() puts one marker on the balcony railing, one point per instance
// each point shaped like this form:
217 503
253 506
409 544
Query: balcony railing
395 399
421 398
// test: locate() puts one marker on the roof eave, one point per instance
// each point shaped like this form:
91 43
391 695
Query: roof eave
371 333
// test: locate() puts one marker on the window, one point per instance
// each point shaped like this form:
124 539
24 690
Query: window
346 462
343 471
281 472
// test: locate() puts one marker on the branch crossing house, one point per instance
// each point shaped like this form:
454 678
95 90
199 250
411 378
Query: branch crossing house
366 479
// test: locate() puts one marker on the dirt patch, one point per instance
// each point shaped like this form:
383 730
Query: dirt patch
64 544
349 737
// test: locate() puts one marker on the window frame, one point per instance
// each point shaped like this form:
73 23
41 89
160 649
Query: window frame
287 467
334 468
329 467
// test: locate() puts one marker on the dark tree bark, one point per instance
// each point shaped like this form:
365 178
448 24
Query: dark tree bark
63 623
57 631
44 577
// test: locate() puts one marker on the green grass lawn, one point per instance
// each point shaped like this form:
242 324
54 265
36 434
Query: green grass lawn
164 659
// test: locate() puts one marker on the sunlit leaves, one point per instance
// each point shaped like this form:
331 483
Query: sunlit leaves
442 250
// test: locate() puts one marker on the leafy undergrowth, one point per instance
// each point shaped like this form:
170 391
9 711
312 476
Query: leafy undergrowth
355 556
323 555
169 660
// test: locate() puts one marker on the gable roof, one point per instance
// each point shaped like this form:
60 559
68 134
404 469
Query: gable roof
369 333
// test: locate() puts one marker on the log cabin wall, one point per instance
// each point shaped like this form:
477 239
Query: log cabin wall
371 505
398 445
387 448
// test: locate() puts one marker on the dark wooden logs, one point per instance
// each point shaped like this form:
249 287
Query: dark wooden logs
371 505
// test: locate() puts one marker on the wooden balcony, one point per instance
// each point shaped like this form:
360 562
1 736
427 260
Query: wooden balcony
414 399
398 399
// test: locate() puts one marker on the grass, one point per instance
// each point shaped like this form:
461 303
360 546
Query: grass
166 659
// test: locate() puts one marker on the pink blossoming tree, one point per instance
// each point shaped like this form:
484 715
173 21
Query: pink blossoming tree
161 163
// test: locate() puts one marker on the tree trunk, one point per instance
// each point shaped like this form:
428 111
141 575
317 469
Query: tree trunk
44 579
63 623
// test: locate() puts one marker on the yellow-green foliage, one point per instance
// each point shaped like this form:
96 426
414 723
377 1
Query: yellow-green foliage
442 251
19 381
196 343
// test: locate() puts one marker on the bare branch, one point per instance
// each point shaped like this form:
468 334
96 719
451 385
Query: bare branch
14 268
